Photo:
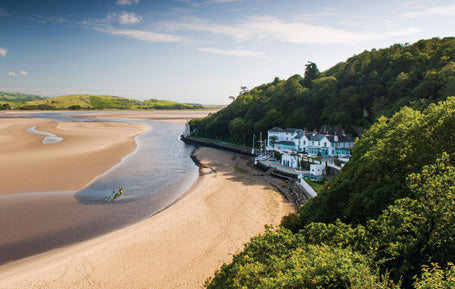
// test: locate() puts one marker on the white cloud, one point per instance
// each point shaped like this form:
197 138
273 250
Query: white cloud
127 2
434 11
144 35
3 51
223 1
266 27
193 3
129 18
12 73
250 53
23 72
122 18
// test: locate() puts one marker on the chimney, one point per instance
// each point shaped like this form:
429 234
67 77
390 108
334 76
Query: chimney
335 138
315 131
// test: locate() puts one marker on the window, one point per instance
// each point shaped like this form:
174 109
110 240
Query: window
325 144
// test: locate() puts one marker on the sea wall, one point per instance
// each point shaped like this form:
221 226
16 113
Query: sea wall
217 145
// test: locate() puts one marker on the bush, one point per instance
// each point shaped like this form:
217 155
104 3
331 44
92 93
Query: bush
288 266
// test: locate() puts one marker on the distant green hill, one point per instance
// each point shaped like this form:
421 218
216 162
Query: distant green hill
85 101
12 96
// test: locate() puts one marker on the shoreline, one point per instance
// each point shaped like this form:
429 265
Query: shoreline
88 150
191 238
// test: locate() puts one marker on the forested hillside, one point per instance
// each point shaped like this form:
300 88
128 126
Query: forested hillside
388 220
351 94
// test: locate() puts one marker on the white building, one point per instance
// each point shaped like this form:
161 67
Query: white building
288 160
312 143
317 169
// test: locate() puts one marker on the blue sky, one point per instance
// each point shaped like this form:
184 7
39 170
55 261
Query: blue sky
198 51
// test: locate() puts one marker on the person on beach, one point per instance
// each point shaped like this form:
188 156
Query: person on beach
116 195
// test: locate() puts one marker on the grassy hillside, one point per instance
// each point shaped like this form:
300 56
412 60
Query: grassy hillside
75 102
351 94
12 96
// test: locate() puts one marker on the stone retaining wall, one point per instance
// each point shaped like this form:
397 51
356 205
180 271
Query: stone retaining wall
217 145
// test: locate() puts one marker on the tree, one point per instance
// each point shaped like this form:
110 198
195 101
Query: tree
281 260
272 140
311 73
351 94
243 89
435 277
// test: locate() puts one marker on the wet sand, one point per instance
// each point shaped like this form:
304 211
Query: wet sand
88 150
178 248
170 116
38 210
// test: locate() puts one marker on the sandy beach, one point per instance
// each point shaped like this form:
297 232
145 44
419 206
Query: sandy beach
170 116
177 248
88 150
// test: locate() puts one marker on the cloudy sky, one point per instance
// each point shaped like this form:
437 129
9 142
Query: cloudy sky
198 51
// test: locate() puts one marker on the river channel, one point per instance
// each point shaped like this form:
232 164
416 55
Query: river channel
152 178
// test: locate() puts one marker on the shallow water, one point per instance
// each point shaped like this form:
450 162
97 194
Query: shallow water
160 165
49 138
153 177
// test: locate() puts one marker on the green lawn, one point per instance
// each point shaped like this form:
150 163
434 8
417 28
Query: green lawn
316 186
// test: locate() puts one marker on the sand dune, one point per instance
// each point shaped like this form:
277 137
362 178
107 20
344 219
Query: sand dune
177 248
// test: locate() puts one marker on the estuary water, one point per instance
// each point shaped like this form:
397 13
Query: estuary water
153 177
160 168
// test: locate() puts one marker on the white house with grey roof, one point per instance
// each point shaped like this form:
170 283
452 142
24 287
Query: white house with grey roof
312 143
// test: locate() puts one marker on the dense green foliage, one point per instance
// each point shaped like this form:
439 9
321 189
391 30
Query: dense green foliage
436 278
286 260
13 96
389 218
351 94
388 152
75 102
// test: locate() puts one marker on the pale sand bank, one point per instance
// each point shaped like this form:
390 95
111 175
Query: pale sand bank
170 116
88 150
177 248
